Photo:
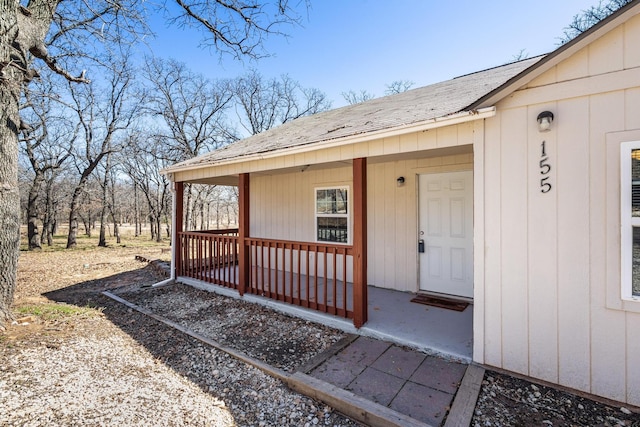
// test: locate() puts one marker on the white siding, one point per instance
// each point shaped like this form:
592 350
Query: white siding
551 273
282 202
573 245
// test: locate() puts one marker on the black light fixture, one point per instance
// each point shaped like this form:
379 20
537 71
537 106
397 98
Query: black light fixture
544 121
400 181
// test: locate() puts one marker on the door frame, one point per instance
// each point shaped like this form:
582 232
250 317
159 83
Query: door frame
473 231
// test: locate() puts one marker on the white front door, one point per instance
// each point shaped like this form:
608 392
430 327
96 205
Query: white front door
446 233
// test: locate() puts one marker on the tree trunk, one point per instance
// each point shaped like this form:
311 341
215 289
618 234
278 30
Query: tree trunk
72 237
46 219
202 219
33 234
188 210
102 241
86 222
158 228
116 230
152 227
217 213
136 211
9 196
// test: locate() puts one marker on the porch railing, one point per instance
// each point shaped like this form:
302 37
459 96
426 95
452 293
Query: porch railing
211 256
311 275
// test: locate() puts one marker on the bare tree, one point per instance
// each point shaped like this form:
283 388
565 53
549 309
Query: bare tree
588 18
105 208
263 104
522 54
190 113
53 32
238 27
188 107
41 145
142 161
102 116
353 97
399 86
113 205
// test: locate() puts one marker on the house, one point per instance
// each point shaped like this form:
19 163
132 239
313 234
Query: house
511 187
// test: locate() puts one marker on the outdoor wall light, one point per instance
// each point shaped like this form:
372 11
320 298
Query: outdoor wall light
400 181
544 121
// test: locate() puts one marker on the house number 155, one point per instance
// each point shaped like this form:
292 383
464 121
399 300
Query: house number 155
545 169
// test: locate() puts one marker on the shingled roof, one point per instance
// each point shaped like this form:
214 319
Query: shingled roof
411 107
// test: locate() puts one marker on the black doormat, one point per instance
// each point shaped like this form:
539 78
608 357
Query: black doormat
440 302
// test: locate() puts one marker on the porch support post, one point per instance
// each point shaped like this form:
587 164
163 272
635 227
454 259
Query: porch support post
243 232
360 300
179 220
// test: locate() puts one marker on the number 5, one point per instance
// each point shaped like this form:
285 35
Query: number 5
545 187
545 168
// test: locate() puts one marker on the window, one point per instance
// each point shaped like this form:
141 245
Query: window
332 215
630 219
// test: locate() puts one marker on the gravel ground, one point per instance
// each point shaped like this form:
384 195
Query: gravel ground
113 366
248 327
508 401
101 363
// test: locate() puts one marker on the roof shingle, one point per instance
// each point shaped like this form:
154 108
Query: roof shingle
389 112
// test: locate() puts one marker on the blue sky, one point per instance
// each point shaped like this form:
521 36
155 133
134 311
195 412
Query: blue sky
358 45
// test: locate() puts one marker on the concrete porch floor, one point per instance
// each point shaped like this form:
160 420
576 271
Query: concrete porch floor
392 317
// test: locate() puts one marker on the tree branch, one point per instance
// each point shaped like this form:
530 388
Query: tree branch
40 51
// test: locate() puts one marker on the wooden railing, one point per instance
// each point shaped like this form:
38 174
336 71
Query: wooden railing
311 275
211 256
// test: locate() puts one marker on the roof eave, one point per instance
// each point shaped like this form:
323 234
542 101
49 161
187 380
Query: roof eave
558 55
452 119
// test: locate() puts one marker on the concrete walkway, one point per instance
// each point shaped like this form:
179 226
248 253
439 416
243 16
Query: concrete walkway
407 381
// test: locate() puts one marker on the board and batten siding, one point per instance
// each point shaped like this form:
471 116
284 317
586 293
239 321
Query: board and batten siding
551 273
282 203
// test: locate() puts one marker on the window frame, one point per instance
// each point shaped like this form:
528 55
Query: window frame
317 215
627 221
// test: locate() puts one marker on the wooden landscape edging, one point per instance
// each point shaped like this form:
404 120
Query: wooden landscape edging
464 403
345 402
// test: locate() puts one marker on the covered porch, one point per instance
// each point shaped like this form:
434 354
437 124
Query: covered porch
320 281
327 277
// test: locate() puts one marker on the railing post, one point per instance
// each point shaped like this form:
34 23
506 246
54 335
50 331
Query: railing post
360 300
243 232
179 219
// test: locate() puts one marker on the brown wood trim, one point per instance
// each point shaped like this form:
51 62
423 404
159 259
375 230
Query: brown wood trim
359 242
179 214
224 231
243 232
303 246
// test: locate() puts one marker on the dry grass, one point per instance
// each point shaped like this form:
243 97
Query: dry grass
55 268
127 235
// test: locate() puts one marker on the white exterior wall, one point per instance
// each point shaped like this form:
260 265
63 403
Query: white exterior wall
551 306
282 204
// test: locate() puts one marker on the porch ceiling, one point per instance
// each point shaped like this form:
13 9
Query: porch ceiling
424 154
232 180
